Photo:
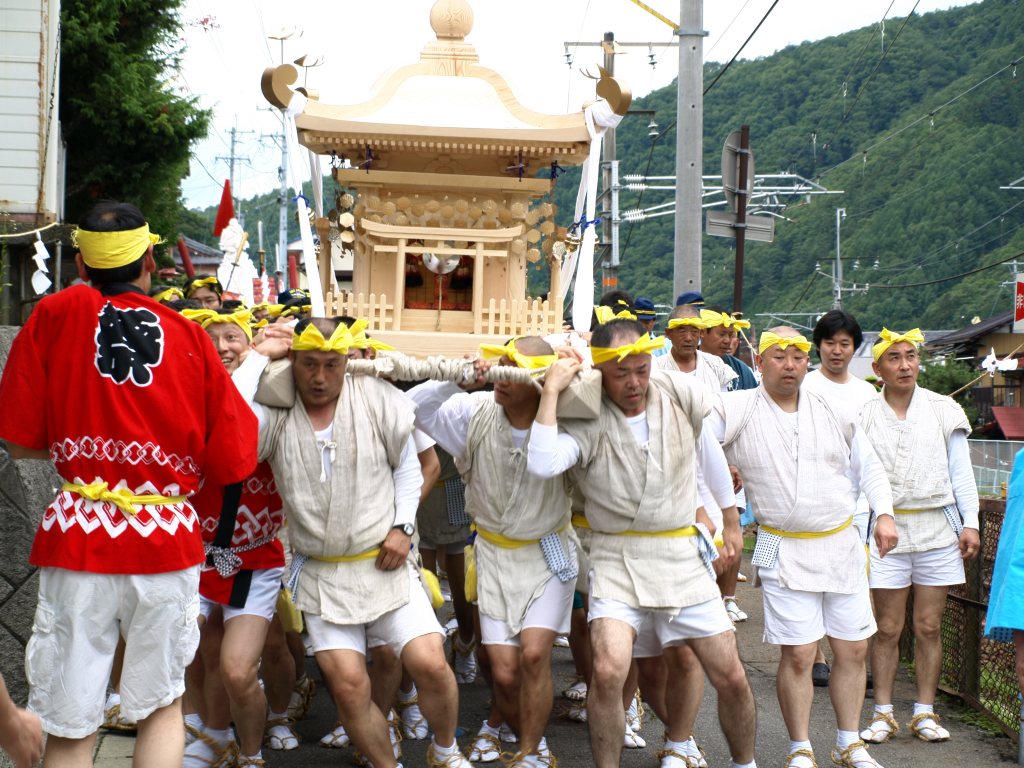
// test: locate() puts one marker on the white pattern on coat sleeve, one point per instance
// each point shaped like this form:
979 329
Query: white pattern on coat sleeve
443 411
551 452
961 474
408 483
870 475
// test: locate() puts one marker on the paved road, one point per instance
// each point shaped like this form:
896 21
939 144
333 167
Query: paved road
970 747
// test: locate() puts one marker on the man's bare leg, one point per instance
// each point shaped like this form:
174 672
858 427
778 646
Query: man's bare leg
929 605
795 689
890 610
345 673
629 688
161 739
77 753
653 676
849 679
457 584
683 692
737 713
278 668
506 683
579 643
439 695
241 646
537 693
385 677
612 641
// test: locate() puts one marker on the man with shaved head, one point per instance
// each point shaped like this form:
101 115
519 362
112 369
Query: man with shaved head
346 468
684 332
803 460
652 590
525 553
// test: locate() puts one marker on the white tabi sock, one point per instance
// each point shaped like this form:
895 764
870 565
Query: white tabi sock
445 750
489 729
529 761
923 708
221 737
751 764
845 739
112 699
407 697
887 708
195 721
682 747
795 745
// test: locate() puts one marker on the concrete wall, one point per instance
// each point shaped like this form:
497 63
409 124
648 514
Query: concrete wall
26 488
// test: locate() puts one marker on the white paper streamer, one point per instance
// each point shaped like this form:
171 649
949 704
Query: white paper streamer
298 171
599 117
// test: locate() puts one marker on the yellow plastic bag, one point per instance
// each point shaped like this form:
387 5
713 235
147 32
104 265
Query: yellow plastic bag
291 616
470 575
432 587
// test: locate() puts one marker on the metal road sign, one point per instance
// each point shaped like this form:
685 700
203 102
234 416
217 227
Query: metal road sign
723 224
731 169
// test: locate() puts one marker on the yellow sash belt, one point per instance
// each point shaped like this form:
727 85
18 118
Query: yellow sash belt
504 541
124 499
370 555
581 522
807 534
915 511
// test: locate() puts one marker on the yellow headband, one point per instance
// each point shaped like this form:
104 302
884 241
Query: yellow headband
680 322
196 283
163 295
109 250
642 346
274 310
207 316
490 351
768 339
296 310
713 319
888 338
361 341
261 305
607 314
312 340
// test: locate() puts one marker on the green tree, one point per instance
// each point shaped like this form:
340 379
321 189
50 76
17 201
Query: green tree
128 129
946 377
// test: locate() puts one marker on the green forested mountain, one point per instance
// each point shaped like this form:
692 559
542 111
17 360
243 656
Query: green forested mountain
919 192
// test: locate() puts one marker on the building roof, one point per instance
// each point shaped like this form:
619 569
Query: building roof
199 253
1010 421
972 334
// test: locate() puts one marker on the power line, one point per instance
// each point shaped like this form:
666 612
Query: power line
749 37
930 114
828 109
722 36
863 88
934 181
944 279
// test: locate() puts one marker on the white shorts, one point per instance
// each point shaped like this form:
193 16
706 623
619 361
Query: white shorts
656 631
933 568
792 617
78 621
261 600
552 610
395 628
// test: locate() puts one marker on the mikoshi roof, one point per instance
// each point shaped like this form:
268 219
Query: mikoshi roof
446 101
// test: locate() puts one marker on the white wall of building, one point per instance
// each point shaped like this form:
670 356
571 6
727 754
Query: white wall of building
29 127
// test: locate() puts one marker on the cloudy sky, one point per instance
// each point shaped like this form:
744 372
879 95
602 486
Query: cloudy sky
228 50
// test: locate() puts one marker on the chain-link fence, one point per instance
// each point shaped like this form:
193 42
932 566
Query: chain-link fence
978 670
993 462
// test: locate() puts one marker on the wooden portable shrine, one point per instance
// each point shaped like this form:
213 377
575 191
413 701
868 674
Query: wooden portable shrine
447 213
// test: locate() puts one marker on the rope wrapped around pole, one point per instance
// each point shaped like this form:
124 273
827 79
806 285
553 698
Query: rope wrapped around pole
395 365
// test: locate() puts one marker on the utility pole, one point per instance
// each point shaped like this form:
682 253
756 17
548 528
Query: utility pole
741 216
689 147
235 133
838 303
282 201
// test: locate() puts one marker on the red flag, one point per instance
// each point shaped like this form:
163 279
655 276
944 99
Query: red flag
226 211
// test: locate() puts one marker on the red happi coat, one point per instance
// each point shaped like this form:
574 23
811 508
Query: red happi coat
258 516
120 389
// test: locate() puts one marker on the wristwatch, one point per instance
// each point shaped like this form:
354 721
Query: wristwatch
406 528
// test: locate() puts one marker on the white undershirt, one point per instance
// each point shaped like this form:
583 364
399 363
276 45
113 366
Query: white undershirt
407 475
